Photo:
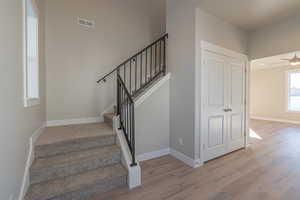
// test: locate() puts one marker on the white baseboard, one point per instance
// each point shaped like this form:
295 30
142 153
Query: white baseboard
187 160
74 121
153 154
30 159
275 120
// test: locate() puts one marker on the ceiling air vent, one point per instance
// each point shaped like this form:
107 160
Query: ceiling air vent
86 23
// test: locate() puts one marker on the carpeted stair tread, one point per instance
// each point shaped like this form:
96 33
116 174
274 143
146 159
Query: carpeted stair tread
49 168
71 187
59 134
66 139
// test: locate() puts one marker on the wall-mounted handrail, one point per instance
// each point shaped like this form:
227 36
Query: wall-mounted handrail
131 58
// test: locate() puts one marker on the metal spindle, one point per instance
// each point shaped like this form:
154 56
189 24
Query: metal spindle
130 89
135 74
165 60
146 67
155 59
151 60
141 71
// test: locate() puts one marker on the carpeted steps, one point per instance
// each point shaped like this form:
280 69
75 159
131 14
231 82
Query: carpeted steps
75 162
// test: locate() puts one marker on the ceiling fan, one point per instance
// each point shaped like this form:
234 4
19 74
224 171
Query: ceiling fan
293 61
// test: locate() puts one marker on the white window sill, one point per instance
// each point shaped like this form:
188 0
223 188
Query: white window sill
31 102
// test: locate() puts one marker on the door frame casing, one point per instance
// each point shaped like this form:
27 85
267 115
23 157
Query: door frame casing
201 47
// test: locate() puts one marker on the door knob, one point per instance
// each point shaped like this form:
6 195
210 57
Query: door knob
227 110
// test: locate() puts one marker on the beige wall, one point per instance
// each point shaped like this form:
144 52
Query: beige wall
214 30
268 94
187 26
276 39
181 64
153 121
17 123
78 56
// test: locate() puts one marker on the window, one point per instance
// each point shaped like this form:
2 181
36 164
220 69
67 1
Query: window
31 58
294 91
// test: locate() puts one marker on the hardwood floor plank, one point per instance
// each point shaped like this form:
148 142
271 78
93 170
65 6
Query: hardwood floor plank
268 170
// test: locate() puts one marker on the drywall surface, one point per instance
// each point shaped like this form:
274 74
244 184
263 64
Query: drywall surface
153 121
187 26
268 94
77 56
276 39
214 30
17 123
181 64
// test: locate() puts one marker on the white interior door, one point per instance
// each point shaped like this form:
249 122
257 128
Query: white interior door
223 105
236 116
215 124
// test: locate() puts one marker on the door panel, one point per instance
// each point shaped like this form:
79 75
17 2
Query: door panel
215 82
237 85
236 128
216 133
236 103
215 126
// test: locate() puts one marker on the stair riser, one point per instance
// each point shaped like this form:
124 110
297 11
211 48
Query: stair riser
51 173
108 121
89 190
73 146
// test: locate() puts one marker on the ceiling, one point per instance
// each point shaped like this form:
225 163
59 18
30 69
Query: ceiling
251 14
272 62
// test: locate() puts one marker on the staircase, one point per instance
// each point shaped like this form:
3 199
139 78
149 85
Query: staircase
78 161
74 162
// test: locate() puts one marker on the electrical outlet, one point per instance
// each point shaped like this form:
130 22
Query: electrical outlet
180 140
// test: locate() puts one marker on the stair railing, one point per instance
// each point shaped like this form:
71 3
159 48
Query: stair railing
133 76
125 110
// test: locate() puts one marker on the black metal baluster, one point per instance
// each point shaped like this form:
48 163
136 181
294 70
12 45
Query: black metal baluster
160 51
124 74
135 75
130 88
151 61
130 130
133 137
118 93
146 67
141 71
165 58
155 59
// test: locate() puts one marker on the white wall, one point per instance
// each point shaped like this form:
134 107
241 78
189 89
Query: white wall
187 26
268 94
214 30
78 56
17 123
153 121
181 64
276 39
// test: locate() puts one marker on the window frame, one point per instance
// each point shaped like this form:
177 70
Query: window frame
29 101
288 81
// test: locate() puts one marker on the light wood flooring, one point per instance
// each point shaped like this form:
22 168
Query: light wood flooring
268 170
